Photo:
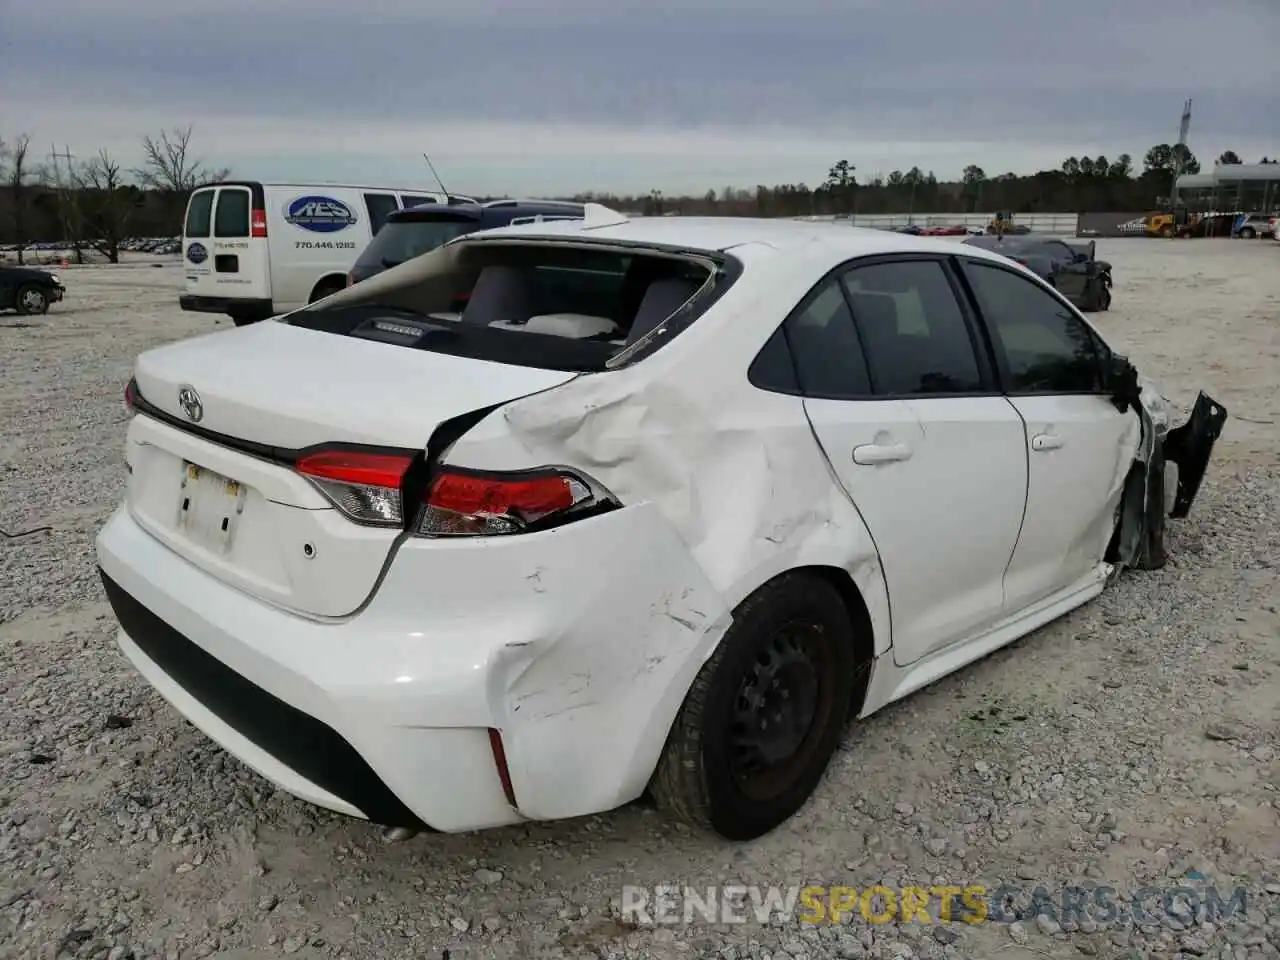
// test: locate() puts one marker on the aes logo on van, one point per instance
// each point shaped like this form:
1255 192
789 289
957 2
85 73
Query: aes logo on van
319 214
196 253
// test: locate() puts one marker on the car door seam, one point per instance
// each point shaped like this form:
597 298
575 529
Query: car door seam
1026 498
834 474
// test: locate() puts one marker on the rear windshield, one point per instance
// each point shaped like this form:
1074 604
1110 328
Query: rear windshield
199 214
401 240
557 306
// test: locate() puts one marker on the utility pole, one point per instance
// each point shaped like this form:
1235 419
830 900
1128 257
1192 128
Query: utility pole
1178 151
65 198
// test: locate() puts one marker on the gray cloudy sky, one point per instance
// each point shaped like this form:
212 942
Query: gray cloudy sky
560 95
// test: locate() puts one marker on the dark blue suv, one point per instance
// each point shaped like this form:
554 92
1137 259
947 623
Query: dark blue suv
417 230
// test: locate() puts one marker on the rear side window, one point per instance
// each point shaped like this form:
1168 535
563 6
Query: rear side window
380 206
824 343
199 214
914 333
231 218
409 201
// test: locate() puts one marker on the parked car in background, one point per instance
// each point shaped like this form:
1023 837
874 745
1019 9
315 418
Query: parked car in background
1069 266
670 502
418 230
252 250
1248 226
28 290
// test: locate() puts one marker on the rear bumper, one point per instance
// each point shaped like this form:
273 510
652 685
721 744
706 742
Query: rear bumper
226 305
578 649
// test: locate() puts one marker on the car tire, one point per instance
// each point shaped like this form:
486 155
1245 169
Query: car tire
790 650
1248 233
1167 231
31 300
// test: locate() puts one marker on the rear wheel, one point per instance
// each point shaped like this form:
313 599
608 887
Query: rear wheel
32 300
764 715
1167 230
1248 233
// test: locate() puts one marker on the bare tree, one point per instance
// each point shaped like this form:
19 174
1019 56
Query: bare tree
17 170
103 204
168 165
169 168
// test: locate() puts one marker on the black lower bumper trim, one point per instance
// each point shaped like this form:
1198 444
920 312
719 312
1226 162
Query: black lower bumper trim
311 748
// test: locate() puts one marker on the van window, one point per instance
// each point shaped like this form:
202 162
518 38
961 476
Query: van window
380 206
231 218
199 214
414 201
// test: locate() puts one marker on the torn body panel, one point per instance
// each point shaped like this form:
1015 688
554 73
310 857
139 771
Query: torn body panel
1153 491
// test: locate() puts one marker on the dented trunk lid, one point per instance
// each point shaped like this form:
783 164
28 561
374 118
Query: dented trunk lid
222 417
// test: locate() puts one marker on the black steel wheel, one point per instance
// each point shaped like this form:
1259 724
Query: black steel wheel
766 712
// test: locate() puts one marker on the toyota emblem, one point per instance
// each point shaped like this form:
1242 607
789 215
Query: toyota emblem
190 403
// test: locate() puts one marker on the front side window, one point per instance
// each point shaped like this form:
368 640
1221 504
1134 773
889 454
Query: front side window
1047 349
380 206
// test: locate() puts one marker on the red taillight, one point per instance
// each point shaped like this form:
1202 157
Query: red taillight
351 279
130 395
466 503
364 485
258 225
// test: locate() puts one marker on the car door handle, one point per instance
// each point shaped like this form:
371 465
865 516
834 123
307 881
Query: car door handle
873 453
1046 441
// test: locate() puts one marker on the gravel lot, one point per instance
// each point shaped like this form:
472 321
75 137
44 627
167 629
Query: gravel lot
1133 743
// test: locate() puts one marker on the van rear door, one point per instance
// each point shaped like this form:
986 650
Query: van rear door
224 245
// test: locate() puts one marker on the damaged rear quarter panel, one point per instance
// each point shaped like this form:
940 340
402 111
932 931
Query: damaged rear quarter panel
733 475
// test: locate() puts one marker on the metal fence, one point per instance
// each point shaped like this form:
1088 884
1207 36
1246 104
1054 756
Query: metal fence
1061 224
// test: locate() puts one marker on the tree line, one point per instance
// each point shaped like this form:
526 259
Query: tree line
96 203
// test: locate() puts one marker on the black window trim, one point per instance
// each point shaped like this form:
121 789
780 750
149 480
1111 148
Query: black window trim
1102 353
979 338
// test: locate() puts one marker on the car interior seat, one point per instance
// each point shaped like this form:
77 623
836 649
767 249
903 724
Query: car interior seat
661 299
501 293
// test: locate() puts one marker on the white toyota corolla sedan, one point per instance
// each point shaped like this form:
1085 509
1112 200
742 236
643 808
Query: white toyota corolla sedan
559 514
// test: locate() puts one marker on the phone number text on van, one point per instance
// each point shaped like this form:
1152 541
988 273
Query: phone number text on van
324 245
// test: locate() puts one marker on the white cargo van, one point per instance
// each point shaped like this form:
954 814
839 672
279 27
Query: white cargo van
252 250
